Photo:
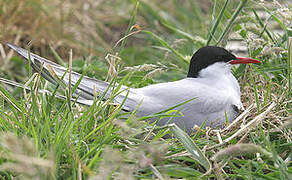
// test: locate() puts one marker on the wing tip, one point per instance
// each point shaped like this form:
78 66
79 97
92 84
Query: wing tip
19 50
12 46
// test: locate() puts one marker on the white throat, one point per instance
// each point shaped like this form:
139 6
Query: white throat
219 76
218 69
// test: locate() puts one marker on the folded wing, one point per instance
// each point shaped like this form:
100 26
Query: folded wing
87 87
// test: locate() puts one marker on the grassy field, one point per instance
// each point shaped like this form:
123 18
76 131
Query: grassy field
138 43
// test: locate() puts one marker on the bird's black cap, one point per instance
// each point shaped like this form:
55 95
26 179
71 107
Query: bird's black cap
206 56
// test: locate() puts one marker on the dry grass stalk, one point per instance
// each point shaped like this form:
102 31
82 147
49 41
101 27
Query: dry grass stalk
240 117
246 127
252 123
237 150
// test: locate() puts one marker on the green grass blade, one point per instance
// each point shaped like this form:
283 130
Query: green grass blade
214 27
11 100
263 26
230 23
255 91
197 11
165 44
131 23
58 58
190 146
185 34
289 64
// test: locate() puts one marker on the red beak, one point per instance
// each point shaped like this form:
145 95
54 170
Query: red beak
241 60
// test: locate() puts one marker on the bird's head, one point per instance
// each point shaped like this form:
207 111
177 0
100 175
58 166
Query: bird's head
210 55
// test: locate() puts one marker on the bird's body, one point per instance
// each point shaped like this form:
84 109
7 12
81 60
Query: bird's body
210 92
213 98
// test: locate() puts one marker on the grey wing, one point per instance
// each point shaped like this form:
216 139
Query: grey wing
86 86
85 89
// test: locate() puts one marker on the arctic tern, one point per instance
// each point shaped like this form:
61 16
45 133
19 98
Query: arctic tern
210 91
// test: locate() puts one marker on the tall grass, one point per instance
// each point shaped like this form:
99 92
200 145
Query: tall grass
43 137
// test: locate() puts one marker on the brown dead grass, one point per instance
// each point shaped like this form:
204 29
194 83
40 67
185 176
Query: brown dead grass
79 25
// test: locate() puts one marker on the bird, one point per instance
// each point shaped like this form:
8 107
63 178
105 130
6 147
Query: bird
209 95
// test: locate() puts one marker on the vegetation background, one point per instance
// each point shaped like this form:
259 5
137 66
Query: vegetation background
140 43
